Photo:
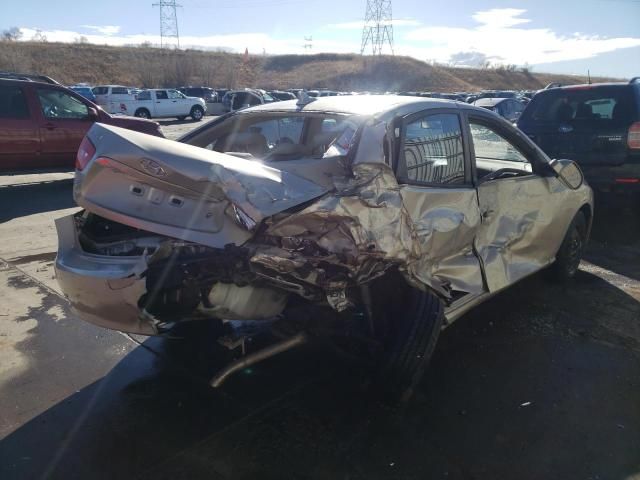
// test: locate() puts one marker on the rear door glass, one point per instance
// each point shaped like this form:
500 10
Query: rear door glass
119 91
13 103
585 124
591 105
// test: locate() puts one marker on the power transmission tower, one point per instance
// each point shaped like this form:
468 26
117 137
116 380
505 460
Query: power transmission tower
378 27
308 45
169 36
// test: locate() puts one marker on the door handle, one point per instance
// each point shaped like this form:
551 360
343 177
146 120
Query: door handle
158 101
50 126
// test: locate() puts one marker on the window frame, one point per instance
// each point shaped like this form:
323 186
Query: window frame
399 150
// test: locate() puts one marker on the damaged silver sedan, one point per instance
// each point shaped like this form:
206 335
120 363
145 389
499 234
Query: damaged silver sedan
371 221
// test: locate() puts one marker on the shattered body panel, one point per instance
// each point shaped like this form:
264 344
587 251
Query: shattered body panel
316 228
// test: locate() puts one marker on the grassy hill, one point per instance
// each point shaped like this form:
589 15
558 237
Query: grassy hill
152 67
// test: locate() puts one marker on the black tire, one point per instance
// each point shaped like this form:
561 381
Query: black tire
197 113
181 117
413 323
570 253
142 113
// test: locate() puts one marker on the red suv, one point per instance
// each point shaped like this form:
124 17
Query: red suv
42 124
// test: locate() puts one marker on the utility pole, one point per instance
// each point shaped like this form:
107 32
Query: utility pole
378 27
169 36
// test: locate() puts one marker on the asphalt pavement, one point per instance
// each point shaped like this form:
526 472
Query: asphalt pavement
541 382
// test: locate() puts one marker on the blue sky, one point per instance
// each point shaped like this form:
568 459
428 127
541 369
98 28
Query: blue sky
554 36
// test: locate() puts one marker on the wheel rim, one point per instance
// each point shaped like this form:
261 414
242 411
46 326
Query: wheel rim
574 251
143 114
197 113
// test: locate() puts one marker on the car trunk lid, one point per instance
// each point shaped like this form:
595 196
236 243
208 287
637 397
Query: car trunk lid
183 191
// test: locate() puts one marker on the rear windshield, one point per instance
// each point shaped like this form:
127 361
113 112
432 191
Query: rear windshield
597 105
280 136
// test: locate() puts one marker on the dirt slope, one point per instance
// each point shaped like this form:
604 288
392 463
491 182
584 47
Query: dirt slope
152 67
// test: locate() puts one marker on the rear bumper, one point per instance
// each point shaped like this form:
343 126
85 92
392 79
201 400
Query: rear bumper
101 290
621 179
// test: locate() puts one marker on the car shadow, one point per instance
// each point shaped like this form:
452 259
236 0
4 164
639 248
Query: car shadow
532 384
615 239
169 122
22 199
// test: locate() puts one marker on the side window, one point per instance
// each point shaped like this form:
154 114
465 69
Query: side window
239 99
57 104
489 145
13 103
329 125
100 90
174 94
253 100
144 95
161 95
432 151
119 91
518 107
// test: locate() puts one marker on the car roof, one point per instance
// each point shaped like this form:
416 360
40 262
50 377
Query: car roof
29 82
490 102
586 86
367 105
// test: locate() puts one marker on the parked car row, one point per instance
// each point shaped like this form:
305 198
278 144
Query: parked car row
598 126
42 123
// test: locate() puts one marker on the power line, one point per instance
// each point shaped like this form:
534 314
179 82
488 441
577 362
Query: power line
169 35
378 27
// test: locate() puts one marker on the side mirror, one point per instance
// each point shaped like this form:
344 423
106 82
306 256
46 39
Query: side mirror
93 114
568 172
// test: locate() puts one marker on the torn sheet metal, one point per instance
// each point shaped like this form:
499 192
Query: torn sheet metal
365 228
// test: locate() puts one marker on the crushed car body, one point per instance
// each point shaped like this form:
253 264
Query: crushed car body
314 202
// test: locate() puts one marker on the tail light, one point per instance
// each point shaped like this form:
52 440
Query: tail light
633 140
85 153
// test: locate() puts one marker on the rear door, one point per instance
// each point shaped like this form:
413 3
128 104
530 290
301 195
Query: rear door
588 124
19 135
63 120
434 171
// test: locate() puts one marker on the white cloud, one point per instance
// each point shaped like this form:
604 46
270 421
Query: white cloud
501 37
358 24
255 42
500 17
103 29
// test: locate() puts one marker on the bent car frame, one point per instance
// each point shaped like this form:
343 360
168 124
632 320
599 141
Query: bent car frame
373 221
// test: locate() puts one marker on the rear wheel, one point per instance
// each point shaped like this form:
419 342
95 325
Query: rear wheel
408 323
570 253
197 112
142 113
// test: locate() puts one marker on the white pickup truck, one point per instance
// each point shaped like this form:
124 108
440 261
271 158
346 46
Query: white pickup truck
164 103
